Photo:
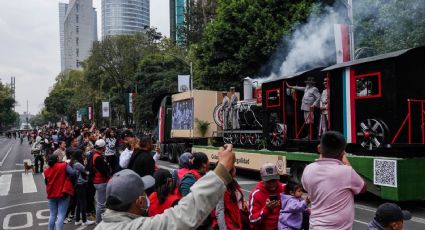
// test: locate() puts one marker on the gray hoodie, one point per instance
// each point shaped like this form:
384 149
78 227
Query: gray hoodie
188 214
374 225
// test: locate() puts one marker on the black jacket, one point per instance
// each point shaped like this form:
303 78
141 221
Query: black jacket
142 163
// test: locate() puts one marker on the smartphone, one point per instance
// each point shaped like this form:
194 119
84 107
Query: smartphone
273 197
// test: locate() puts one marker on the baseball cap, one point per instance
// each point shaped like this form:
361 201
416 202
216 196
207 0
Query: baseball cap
125 187
184 160
390 212
127 133
269 172
100 143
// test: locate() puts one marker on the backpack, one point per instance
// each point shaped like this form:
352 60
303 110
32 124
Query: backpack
90 167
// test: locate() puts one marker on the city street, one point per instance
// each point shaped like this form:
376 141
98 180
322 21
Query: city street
23 203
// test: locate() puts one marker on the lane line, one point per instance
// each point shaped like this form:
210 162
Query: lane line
13 171
7 154
361 222
28 183
247 182
17 205
81 227
5 181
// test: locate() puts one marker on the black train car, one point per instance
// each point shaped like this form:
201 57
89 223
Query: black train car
370 99
282 118
376 102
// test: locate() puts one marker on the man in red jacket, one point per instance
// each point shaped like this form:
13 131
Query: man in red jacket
264 199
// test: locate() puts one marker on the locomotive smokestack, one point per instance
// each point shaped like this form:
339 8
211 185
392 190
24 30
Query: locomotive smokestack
247 89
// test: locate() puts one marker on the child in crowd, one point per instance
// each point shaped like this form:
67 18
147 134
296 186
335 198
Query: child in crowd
292 208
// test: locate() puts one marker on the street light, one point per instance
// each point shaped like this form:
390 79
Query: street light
190 64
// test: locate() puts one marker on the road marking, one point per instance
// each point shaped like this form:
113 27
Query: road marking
28 183
81 227
17 205
7 154
5 181
19 164
361 222
29 220
13 171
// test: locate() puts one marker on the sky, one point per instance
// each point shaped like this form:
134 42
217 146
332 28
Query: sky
30 46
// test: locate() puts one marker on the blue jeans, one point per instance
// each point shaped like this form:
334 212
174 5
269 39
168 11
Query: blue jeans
100 200
58 207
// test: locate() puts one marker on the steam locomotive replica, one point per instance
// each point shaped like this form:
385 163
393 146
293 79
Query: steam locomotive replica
376 102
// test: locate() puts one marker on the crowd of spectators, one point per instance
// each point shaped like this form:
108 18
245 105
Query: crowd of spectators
110 178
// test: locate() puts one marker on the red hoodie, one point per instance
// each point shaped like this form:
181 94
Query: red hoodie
260 217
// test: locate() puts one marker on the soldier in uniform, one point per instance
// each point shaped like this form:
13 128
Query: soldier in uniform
233 109
323 126
225 106
310 99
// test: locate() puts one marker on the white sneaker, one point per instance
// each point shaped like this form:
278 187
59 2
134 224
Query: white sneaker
88 222
78 222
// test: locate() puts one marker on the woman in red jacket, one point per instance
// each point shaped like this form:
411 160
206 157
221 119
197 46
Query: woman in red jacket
59 188
164 196
232 208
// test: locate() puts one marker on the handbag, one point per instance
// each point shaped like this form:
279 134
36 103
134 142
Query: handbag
36 148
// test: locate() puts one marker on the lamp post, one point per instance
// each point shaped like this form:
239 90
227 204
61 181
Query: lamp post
190 65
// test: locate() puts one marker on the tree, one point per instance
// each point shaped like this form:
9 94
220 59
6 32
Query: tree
388 25
243 37
112 65
8 117
157 76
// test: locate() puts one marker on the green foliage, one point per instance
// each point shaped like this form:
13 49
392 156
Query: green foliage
202 126
8 117
388 25
156 76
242 38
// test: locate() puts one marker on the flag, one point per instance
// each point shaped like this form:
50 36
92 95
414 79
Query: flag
183 83
342 43
90 113
105 108
130 102
79 117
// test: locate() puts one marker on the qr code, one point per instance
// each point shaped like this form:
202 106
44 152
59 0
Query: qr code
385 172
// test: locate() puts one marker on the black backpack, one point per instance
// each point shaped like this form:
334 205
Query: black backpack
90 167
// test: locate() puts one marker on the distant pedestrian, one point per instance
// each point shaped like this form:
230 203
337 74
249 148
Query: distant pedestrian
111 149
264 199
141 160
130 142
61 151
389 216
293 207
101 177
197 169
331 184
59 188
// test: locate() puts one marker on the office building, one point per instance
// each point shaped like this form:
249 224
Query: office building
78 31
177 11
125 16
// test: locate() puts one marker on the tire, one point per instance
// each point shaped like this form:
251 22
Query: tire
173 154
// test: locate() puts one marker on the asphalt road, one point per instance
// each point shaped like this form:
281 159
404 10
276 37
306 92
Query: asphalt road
23 202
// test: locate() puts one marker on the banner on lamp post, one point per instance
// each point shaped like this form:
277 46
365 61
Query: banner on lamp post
130 103
90 113
79 116
105 109
183 83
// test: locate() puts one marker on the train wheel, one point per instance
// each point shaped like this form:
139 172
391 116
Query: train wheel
218 115
278 136
243 139
373 133
235 138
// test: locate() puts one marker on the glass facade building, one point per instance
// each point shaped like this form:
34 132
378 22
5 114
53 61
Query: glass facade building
124 16
177 17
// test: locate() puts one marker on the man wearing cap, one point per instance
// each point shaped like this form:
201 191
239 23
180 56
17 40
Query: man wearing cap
264 199
101 177
323 125
310 99
125 156
331 184
234 113
127 202
225 107
389 216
